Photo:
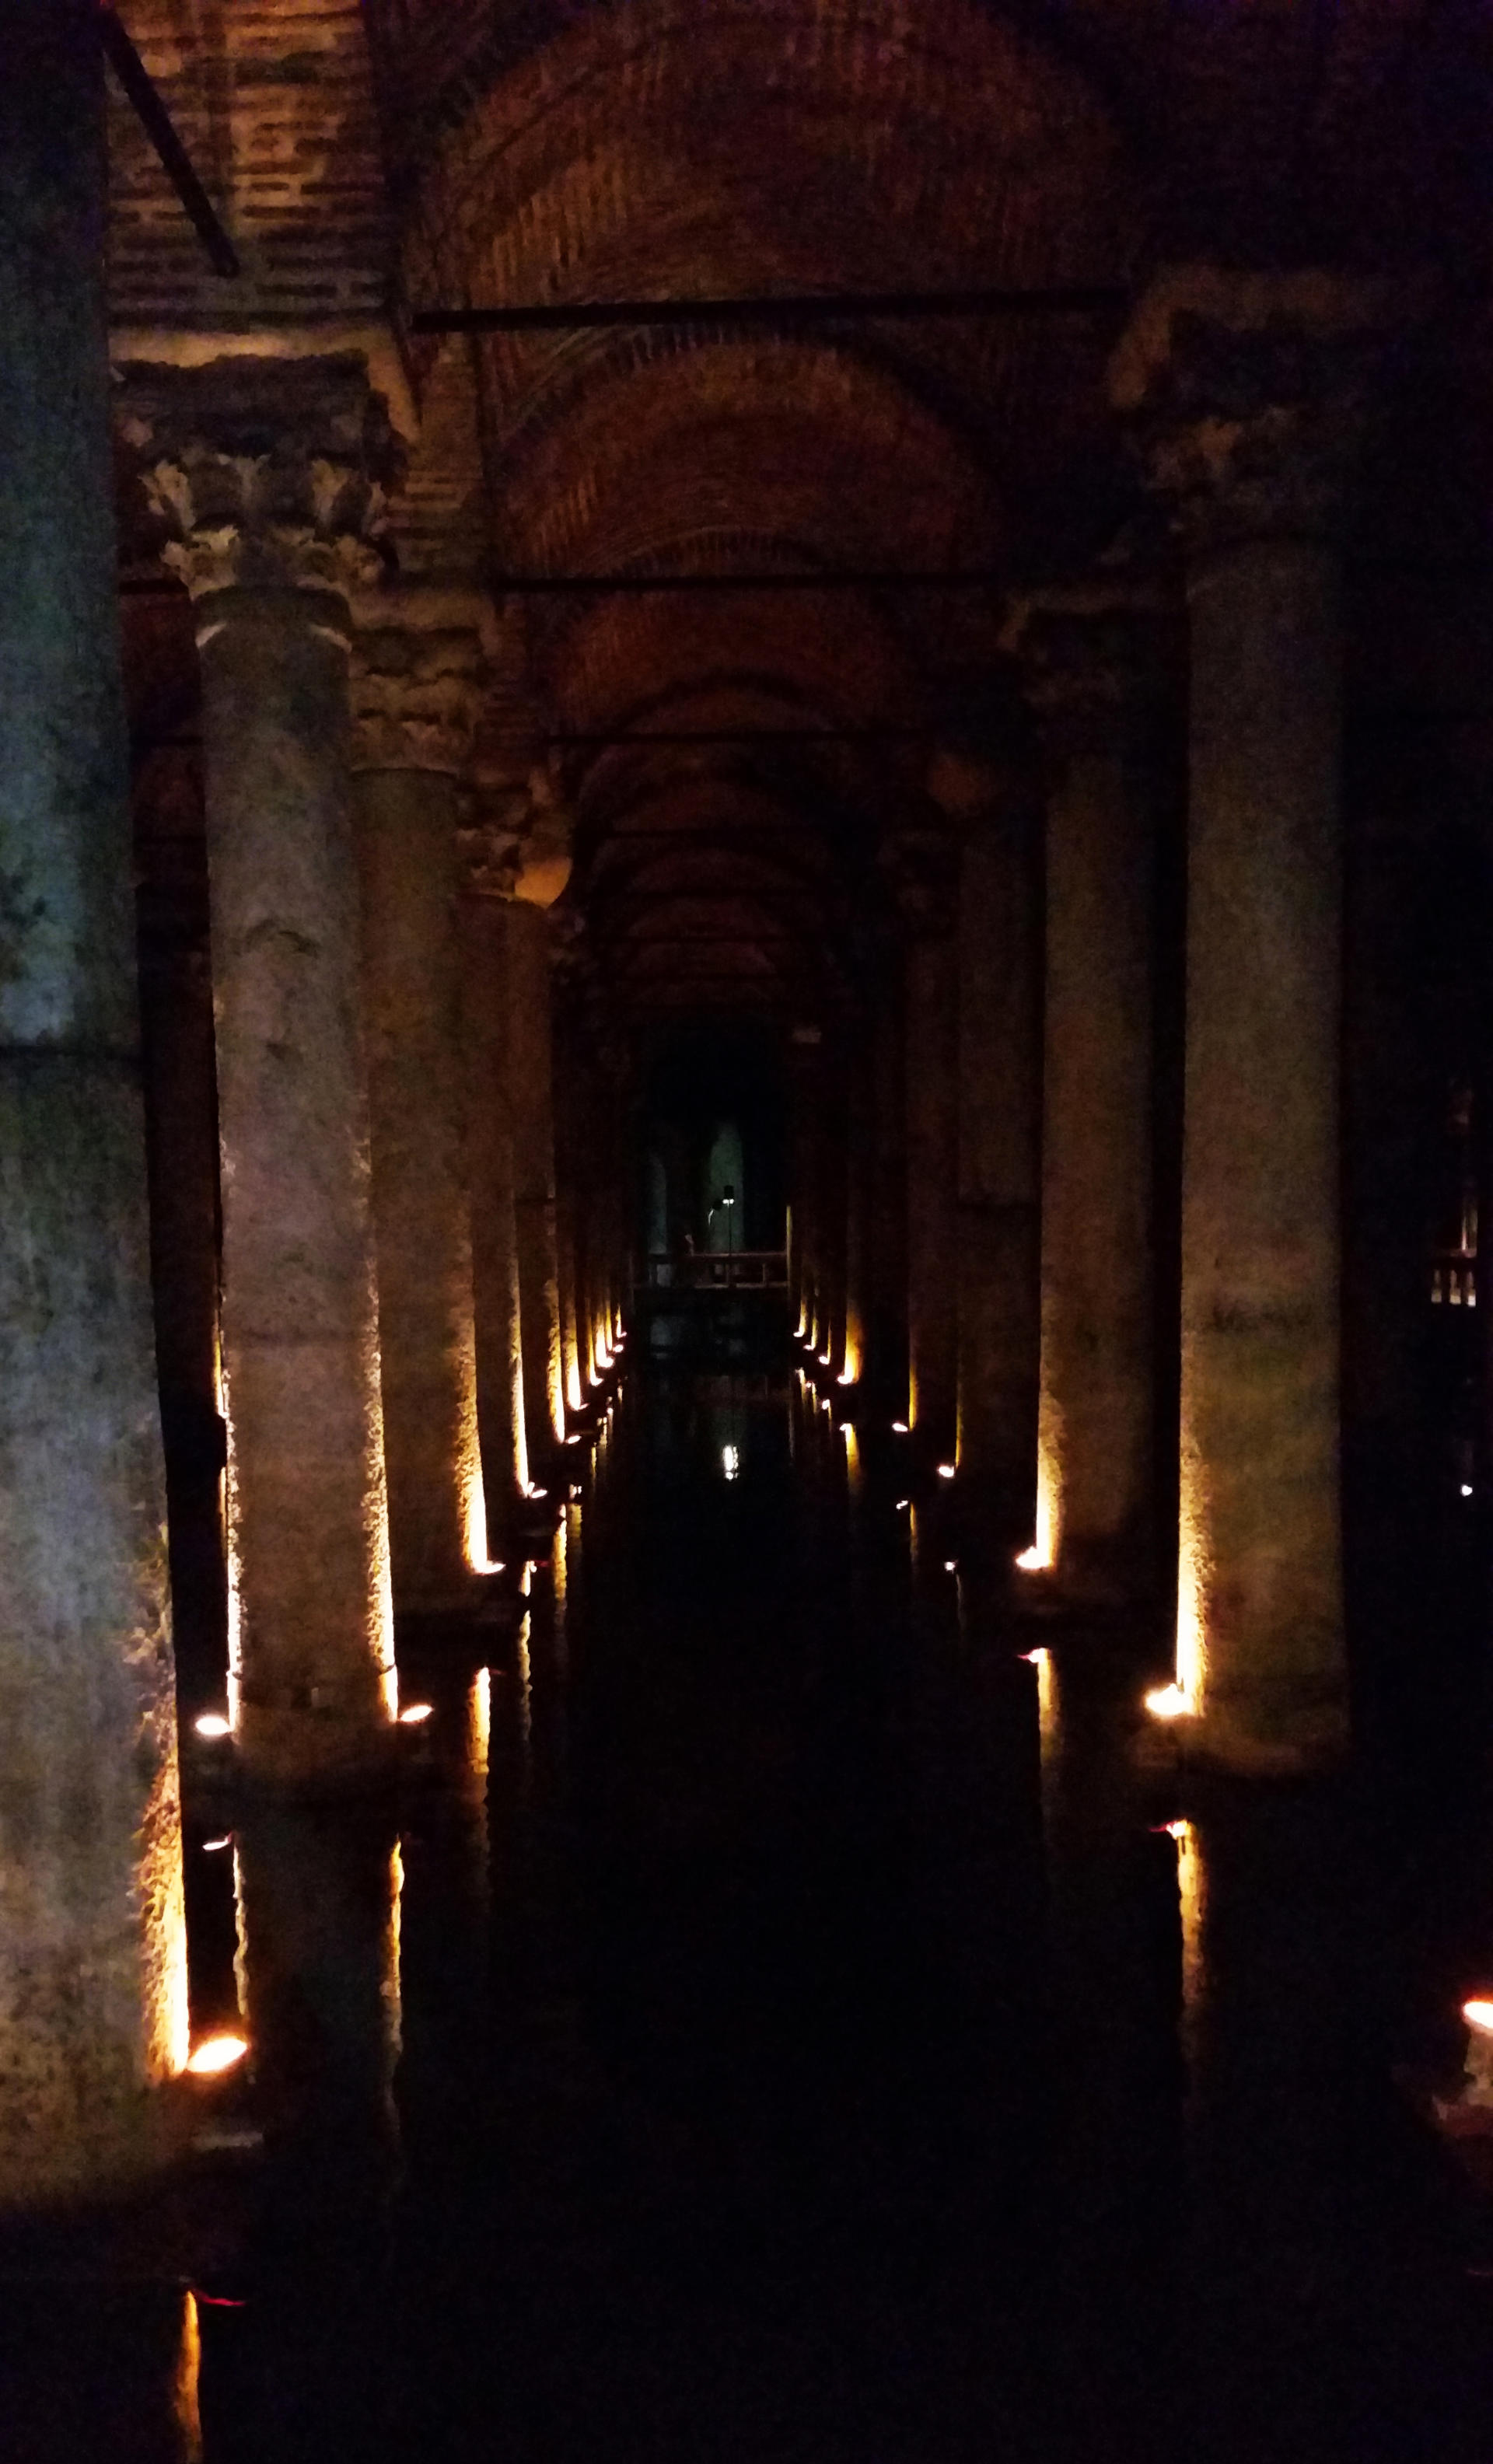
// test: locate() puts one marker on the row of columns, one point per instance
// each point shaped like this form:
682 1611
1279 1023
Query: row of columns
1028 899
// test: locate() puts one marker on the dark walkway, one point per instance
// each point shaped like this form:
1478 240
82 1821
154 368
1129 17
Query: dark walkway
781 2032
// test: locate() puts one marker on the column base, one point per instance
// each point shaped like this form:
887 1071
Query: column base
301 1750
1284 1731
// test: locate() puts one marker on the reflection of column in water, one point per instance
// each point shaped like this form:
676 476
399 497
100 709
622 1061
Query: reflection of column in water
854 1470
390 1983
184 2392
1192 1895
477 1744
1049 1732
525 1692
318 1968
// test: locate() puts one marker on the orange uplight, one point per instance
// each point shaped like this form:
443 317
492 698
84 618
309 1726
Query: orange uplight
1170 1703
847 1377
217 2054
1478 2014
1031 1561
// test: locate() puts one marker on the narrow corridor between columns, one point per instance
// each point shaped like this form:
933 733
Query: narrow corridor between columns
778 2020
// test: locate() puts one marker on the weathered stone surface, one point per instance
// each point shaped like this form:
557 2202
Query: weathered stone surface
499 1349
92 1948
1089 679
999 996
415 695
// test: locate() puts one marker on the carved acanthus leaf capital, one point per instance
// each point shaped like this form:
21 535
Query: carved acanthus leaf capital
518 844
921 863
1247 397
1094 663
263 473
416 698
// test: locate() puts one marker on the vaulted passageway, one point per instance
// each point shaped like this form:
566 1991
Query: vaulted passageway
792 697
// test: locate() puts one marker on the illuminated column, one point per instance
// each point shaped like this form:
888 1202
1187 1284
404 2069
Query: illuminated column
181 1150
494 1224
887 1218
531 1096
805 1115
1249 387
266 537
927 881
860 1169
93 1988
415 688
1097 1388
1000 1117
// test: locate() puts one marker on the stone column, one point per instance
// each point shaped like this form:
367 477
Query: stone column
992 798
532 1097
927 888
181 1154
1250 387
1096 1411
415 688
860 1169
495 1226
887 1218
93 1978
268 475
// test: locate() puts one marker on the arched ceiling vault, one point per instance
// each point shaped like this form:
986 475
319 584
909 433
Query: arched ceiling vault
728 148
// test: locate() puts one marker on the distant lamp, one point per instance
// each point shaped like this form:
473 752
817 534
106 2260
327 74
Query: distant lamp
946 1471
414 1714
213 1724
899 1428
1170 1703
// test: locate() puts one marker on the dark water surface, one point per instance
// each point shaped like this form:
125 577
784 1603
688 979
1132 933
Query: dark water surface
784 2027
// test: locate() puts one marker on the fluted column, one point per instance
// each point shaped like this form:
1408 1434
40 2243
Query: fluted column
93 1986
927 873
269 535
1096 1411
415 684
1249 388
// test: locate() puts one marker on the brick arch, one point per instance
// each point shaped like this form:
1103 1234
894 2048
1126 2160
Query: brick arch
931 124
715 147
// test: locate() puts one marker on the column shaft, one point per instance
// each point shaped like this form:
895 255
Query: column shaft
1260 1610
932 1173
531 1093
494 1223
408 822
1000 1163
1096 1412
307 1512
93 1989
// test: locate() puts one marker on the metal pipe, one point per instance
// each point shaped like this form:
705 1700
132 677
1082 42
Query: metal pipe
156 121
784 310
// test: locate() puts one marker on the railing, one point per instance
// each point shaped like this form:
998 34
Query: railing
700 1270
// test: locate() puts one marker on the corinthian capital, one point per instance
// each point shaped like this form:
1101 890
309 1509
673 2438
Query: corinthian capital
416 697
1247 395
519 842
262 473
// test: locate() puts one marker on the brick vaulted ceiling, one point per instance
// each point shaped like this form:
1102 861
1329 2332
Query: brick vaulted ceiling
453 153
